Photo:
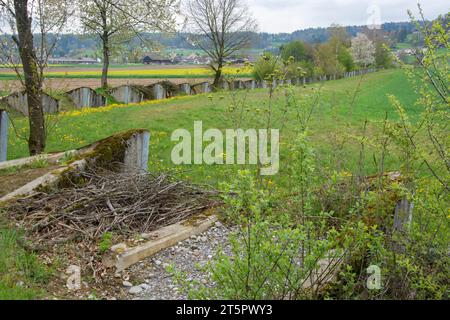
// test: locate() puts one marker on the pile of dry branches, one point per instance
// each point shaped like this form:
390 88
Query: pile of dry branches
122 203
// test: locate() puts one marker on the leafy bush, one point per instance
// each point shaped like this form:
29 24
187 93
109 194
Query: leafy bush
265 67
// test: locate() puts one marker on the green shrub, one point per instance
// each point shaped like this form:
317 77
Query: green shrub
265 67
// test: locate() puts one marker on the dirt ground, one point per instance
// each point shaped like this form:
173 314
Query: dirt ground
73 68
60 84
69 84
12 181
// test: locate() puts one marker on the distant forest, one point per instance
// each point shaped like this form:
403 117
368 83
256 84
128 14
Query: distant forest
77 45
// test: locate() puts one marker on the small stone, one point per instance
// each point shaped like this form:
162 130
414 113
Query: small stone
203 239
144 286
135 290
127 284
158 262
165 265
210 257
204 281
196 253
218 224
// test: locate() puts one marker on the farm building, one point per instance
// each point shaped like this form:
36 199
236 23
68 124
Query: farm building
152 58
67 60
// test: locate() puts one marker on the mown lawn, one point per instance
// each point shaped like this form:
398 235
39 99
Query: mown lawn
334 120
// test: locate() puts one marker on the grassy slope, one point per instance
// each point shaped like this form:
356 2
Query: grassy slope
333 117
161 118
21 273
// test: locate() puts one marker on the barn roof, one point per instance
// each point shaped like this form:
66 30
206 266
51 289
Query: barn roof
155 56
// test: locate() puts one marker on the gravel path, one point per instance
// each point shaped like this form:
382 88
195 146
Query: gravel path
153 282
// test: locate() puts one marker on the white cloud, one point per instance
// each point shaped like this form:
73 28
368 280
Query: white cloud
290 15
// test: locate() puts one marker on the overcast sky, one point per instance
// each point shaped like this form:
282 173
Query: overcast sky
289 15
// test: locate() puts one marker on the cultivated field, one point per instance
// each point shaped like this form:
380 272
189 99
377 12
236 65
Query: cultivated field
68 77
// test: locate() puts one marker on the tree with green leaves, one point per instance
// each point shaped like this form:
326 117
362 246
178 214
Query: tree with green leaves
383 58
296 49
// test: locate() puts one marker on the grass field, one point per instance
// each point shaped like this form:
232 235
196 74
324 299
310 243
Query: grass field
332 120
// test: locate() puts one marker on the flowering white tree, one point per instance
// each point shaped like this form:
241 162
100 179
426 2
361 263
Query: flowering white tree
363 50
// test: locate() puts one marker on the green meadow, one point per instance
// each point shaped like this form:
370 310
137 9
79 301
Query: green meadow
343 111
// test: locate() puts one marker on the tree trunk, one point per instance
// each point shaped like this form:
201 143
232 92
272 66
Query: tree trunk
33 82
105 61
218 76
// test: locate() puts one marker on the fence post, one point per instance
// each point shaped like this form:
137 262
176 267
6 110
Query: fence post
3 134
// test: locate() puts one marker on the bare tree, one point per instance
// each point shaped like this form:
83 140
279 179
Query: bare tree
115 22
221 28
19 19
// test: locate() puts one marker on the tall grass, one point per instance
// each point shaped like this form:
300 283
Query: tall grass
21 272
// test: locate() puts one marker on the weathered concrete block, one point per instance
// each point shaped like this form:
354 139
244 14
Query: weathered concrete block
19 101
129 94
126 151
3 135
239 84
264 84
164 238
159 92
403 214
185 88
136 152
200 88
274 84
224 85
250 84
85 97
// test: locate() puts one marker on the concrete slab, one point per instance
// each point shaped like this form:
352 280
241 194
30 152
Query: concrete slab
164 238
